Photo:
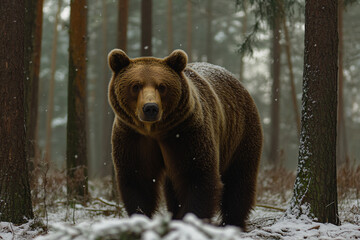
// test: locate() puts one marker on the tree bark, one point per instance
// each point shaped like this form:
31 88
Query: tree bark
170 34
189 30
122 24
33 19
315 190
50 107
275 93
146 27
76 155
15 198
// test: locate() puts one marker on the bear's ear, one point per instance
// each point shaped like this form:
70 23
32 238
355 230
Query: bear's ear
177 60
117 60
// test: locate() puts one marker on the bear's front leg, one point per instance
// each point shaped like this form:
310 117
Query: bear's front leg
138 166
192 166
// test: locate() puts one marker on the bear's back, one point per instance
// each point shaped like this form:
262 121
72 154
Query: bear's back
236 102
222 81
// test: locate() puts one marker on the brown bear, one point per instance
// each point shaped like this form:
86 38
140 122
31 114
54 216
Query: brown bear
191 128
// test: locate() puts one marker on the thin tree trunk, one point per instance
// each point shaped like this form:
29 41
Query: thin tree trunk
108 116
122 44
342 151
76 155
146 27
50 107
291 72
33 18
189 30
122 24
243 33
209 33
315 190
15 198
170 34
275 94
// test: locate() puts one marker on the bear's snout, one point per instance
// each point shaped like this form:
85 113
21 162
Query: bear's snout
151 111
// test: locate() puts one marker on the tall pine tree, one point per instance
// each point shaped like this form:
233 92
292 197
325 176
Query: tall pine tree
15 198
315 191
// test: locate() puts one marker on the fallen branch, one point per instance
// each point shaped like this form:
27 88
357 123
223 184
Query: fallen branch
107 203
97 210
271 207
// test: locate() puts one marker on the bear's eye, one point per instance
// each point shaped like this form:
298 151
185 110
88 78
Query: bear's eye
162 88
136 88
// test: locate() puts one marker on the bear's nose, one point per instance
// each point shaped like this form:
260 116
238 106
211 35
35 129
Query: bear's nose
150 110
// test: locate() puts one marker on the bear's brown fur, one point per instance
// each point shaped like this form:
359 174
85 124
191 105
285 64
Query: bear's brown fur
191 127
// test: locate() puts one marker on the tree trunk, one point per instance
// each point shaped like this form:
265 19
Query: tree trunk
33 18
15 198
275 94
291 72
189 30
315 192
342 151
108 116
76 156
243 33
122 24
170 34
209 37
146 27
50 107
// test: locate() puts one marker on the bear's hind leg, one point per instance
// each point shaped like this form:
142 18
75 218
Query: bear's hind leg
240 186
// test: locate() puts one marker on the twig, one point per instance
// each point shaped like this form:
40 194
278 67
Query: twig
107 203
98 210
271 207
12 231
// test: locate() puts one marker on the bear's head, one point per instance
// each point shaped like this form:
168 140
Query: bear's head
145 91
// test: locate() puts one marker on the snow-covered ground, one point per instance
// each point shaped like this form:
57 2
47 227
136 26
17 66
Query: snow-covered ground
105 220
84 223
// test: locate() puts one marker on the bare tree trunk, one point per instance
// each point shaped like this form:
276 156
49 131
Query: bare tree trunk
50 108
33 18
315 190
146 27
15 198
275 94
243 33
108 116
76 155
209 33
189 30
170 34
342 151
291 72
122 24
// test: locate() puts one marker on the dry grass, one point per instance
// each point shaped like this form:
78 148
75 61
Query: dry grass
348 181
275 185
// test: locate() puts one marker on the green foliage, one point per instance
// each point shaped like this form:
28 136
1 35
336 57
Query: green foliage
247 46
265 11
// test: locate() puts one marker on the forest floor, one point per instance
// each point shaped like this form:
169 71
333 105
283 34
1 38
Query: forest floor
103 219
